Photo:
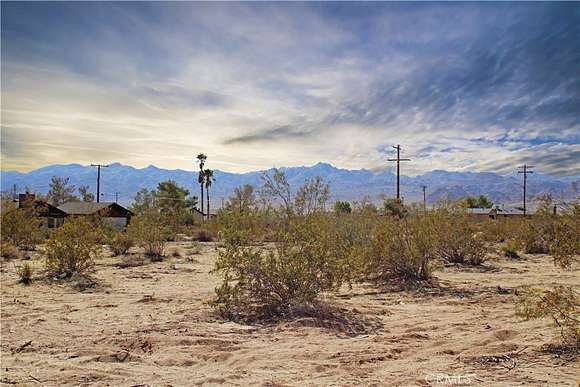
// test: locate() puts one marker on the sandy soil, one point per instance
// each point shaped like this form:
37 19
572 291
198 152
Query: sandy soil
150 326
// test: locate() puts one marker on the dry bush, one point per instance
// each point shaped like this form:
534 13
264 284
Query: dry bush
121 243
9 251
268 283
402 248
561 304
71 248
151 233
458 241
21 228
25 273
203 235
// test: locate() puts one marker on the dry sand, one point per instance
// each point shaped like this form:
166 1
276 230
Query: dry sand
150 326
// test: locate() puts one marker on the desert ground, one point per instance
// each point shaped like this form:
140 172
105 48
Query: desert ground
150 325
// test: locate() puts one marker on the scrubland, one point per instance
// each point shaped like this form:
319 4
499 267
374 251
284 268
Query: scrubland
294 295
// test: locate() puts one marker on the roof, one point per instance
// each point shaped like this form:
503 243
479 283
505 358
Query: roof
88 208
478 211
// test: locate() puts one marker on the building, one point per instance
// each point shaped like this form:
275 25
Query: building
496 212
112 213
49 215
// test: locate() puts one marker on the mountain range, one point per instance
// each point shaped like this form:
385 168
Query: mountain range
351 185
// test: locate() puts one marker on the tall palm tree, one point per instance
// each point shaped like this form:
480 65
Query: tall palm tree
201 177
209 179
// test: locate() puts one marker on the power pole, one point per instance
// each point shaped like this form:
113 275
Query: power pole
424 197
398 160
525 169
116 197
99 179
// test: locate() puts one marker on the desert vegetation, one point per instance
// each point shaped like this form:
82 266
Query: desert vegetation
279 255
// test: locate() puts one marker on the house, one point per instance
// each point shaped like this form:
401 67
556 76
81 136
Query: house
495 212
112 213
49 215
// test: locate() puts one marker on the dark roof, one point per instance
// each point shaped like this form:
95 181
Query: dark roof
88 208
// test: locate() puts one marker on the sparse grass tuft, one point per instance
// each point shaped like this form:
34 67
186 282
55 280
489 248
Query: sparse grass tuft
25 273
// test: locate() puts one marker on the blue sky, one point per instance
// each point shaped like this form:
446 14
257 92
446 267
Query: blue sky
461 86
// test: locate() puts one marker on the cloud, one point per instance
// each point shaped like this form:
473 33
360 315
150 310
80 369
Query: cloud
459 86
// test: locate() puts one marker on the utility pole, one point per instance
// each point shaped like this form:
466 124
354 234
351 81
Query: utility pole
525 169
116 197
398 160
99 179
424 197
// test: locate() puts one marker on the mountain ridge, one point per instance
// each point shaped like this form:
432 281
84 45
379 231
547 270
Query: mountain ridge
346 184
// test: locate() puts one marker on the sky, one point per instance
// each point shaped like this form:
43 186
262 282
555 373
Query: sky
460 86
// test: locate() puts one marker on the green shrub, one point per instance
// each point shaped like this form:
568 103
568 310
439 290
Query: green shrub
268 283
21 228
402 248
71 248
565 246
25 273
121 243
150 232
510 249
458 240
561 304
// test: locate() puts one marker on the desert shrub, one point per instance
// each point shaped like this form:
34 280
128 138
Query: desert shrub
9 251
121 243
402 248
510 249
71 248
21 228
25 273
565 246
151 233
203 235
561 304
269 282
458 241
500 230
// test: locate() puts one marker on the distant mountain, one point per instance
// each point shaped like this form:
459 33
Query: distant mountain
352 185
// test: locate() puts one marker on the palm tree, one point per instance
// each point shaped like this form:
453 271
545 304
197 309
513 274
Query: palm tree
201 177
209 179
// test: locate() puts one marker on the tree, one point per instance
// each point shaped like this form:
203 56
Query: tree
395 207
86 195
276 186
171 197
312 196
209 179
478 202
61 191
242 199
144 201
342 207
201 158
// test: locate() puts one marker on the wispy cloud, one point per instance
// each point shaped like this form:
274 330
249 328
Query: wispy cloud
460 86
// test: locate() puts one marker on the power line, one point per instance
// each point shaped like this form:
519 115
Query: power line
398 160
525 170
99 179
